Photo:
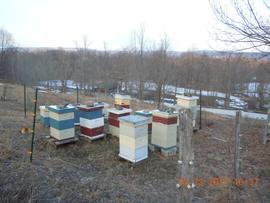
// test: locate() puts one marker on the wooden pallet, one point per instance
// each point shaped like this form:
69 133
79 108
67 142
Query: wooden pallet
90 139
130 163
57 143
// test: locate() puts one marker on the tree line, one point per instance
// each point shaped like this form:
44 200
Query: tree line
138 65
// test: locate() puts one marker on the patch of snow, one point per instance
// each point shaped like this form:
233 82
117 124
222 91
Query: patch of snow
231 113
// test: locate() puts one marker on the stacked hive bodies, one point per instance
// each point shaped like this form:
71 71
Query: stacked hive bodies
76 113
61 122
164 129
44 116
188 103
133 139
147 114
91 121
122 101
105 108
114 115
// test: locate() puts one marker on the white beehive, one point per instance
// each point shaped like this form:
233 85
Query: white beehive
147 114
113 119
164 129
44 115
133 139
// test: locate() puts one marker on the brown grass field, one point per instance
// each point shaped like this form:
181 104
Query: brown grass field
92 172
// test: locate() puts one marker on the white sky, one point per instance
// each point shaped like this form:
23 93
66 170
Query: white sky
58 23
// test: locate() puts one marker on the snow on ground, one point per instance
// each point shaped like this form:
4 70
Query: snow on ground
226 112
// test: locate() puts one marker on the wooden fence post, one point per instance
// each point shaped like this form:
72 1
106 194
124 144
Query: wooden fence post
24 99
186 157
237 145
266 136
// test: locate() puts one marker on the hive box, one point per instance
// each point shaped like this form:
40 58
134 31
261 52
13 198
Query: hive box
133 139
122 101
164 129
76 113
147 114
188 103
44 115
91 121
61 122
114 115
105 108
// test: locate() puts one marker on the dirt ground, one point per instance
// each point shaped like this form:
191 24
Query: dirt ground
92 172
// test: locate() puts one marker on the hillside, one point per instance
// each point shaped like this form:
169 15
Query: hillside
92 172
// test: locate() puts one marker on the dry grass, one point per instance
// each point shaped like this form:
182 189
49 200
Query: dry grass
92 172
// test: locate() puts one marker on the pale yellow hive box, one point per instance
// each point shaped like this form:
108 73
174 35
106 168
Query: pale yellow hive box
164 129
186 102
122 99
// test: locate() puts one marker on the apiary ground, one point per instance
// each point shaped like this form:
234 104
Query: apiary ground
92 172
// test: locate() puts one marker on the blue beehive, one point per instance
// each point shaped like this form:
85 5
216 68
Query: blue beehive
76 113
61 122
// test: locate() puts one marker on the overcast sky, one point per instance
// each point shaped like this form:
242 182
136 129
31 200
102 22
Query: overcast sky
58 23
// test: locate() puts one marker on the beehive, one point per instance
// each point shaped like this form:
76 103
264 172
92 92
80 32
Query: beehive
164 129
105 108
61 122
188 103
147 114
91 121
122 101
44 115
133 139
76 113
113 119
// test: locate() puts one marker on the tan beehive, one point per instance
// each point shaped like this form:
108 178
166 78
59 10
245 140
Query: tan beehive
186 102
122 100
164 129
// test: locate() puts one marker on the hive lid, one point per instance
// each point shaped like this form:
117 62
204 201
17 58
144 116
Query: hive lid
135 119
61 109
43 107
89 108
186 97
104 104
164 113
118 111
144 113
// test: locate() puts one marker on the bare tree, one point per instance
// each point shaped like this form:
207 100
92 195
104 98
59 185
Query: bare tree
6 43
244 23
139 47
